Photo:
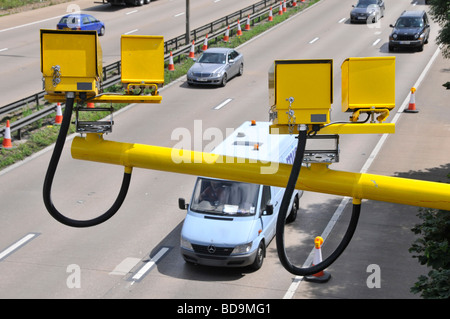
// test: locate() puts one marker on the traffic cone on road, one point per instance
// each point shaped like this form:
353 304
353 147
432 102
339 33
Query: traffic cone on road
59 116
226 37
239 31
7 136
205 43
280 10
247 25
321 276
192 51
270 15
412 102
171 65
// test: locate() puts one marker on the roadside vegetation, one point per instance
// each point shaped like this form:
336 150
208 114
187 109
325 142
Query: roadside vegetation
45 132
13 6
433 250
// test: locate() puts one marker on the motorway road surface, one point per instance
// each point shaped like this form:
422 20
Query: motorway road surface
136 253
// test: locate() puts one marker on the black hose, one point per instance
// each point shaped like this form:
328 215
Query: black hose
282 218
59 145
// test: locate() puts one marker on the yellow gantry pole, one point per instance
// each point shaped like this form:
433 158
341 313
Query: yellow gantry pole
315 178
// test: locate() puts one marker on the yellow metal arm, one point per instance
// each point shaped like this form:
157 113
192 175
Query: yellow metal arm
315 178
340 128
109 98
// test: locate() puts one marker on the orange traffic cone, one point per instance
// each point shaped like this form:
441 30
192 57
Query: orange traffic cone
171 65
321 276
294 3
270 15
192 51
412 103
90 105
239 31
284 6
205 43
7 136
226 37
247 25
59 116
280 10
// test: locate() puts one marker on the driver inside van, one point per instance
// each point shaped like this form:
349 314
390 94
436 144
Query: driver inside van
215 193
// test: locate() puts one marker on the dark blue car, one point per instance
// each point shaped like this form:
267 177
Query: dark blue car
79 21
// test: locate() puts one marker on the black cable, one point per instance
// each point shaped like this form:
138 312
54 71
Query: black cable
59 145
282 218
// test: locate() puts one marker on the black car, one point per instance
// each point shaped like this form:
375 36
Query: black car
369 11
411 30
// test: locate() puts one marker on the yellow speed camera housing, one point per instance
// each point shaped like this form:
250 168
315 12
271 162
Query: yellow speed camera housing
301 91
368 83
142 58
71 61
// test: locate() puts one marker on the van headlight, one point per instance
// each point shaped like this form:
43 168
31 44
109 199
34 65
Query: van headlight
184 243
242 249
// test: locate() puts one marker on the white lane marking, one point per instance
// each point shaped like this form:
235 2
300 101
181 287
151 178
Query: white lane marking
17 245
342 20
125 266
298 279
35 22
179 14
132 31
221 105
131 12
376 42
4 49
313 40
149 264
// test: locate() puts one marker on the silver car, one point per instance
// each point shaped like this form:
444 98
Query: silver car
216 66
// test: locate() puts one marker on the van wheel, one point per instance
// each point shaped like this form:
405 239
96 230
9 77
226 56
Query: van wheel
293 214
259 256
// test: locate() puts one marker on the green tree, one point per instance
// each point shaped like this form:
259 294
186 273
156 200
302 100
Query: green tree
434 251
440 13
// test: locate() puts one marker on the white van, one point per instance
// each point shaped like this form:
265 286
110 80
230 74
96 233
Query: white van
231 223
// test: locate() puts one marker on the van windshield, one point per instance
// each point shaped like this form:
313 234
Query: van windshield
221 197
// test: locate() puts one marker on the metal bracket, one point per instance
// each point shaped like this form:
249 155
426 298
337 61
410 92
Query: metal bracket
322 151
93 126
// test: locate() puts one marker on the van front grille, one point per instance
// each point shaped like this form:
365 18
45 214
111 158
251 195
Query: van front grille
212 250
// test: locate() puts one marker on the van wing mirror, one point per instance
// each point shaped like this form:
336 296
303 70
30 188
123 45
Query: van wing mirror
269 209
182 203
